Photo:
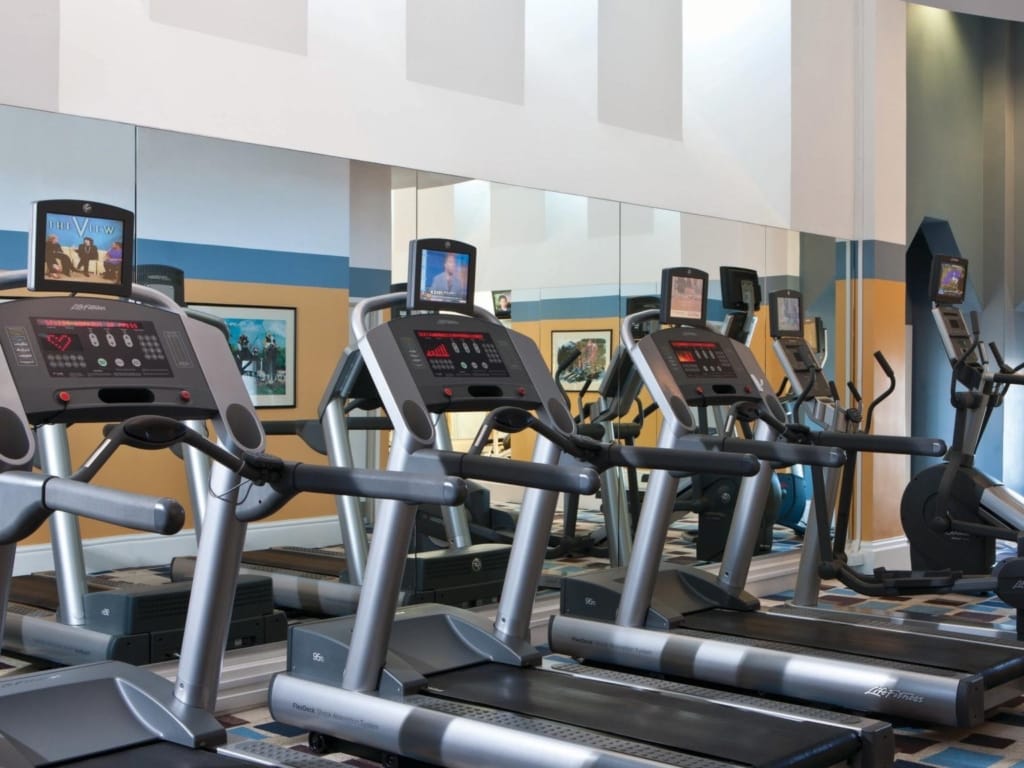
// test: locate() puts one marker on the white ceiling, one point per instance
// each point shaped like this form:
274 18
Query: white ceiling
1013 10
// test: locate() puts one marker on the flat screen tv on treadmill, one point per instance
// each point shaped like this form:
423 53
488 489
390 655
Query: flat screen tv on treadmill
440 275
786 317
684 296
76 245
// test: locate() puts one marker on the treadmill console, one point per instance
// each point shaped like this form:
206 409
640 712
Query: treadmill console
703 367
956 338
461 354
73 359
461 363
794 354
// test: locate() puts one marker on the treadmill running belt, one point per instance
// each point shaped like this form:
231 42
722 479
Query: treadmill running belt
310 561
994 664
161 755
691 725
40 591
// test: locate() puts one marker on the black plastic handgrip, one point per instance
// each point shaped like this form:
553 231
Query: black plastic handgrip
685 460
884 364
527 474
108 505
1008 378
401 486
858 441
780 452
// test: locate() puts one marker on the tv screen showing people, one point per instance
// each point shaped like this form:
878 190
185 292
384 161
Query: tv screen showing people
441 274
949 280
81 246
684 296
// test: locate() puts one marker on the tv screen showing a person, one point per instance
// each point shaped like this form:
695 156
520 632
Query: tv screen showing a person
951 281
444 277
502 304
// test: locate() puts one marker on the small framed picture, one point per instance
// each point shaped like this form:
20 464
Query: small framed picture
580 356
502 304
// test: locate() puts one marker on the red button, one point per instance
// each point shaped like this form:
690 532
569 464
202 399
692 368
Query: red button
448 392
700 390
521 391
64 397
747 389
185 395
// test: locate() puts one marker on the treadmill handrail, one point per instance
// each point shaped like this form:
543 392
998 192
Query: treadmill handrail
292 478
372 304
863 442
30 497
779 452
582 480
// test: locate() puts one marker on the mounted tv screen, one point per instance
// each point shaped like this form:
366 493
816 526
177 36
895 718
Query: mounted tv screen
77 246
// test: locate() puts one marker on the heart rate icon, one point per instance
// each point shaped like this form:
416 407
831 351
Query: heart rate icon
59 341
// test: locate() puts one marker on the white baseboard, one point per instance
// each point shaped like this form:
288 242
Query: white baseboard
893 554
132 551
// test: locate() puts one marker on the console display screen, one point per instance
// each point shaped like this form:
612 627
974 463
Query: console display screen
461 353
100 348
951 281
789 314
703 359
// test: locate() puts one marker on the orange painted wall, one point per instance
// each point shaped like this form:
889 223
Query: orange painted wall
322 320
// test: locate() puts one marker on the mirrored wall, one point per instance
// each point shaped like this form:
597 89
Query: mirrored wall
274 229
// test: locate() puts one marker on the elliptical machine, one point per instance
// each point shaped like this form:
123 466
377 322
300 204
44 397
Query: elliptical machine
953 513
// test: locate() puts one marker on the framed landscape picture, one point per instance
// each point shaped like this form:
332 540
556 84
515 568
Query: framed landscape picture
581 356
262 341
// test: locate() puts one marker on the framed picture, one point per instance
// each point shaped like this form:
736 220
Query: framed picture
502 304
262 341
581 356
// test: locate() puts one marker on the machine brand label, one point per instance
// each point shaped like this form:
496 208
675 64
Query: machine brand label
87 307
894 694
304 708
319 657
476 565
1019 584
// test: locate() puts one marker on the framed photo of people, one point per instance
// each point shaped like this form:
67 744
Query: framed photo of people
581 356
262 341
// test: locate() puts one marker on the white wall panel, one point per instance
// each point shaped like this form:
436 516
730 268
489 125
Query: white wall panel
349 96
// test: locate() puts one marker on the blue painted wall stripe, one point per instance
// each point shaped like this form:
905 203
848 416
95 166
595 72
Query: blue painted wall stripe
365 281
215 262
247 265
13 249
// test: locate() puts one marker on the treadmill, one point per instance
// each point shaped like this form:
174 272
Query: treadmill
112 713
681 624
321 582
68 617
439 685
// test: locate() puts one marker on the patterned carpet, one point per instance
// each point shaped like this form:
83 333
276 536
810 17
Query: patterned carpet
999 743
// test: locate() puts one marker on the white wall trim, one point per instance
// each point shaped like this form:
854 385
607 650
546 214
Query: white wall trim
893 554
133 551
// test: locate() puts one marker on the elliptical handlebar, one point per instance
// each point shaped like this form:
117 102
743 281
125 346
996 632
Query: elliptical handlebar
891 376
